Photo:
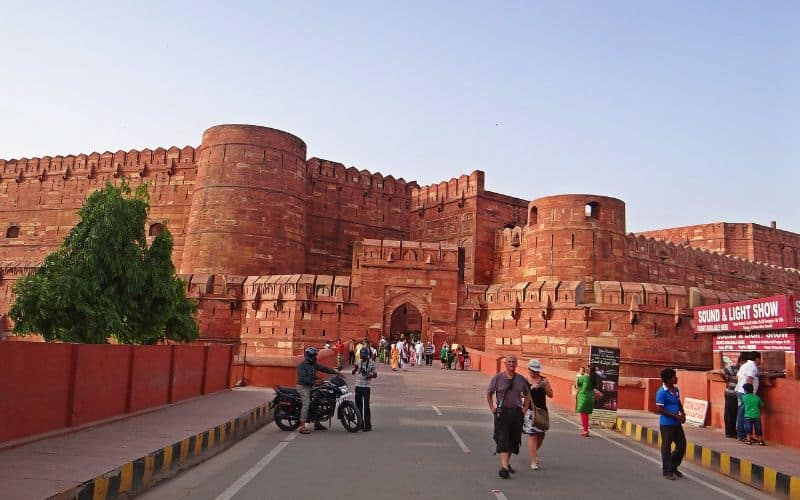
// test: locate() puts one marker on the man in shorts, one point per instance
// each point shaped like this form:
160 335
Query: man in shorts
507 394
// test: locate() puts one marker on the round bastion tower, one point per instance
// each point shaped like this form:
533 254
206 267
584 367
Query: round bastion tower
248 210
575 237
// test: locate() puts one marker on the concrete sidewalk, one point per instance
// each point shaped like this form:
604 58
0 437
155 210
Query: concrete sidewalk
130 454
774 469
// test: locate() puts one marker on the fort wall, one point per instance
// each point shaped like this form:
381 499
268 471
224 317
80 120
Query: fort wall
346 205
660 261
746 240
551 320
462 213
40 196
282 252
562 240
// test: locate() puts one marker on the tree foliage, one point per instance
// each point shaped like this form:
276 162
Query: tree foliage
104 281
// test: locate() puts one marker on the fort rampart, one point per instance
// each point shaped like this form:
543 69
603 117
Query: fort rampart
282 251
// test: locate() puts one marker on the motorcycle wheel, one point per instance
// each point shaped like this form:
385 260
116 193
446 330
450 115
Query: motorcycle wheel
285 420
350 416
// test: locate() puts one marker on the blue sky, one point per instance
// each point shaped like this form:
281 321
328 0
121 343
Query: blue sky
687 111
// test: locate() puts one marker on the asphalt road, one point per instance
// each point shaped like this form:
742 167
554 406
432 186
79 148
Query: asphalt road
432 440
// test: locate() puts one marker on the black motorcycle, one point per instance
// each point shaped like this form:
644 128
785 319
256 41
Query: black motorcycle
324 400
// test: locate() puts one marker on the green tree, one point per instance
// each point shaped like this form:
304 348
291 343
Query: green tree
105 282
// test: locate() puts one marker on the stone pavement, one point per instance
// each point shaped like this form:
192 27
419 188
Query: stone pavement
134 449
772 468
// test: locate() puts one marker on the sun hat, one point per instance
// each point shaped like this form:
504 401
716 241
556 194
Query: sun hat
534 365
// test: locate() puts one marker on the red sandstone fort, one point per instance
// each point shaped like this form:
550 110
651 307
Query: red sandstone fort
282 251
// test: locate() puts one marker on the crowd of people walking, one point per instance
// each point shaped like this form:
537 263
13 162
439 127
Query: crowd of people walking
405 353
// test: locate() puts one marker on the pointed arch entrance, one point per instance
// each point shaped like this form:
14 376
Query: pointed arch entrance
407 314
406 319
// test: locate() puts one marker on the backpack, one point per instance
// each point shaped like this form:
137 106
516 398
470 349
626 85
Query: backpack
365 352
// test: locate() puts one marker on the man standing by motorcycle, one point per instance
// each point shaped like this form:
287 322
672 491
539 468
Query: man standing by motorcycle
365 372
306 377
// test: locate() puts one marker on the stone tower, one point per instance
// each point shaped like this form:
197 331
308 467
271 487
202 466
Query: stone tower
575 237
248 211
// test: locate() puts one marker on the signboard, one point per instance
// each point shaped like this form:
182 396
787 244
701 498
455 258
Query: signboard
760 341
770 313
696 410
606 359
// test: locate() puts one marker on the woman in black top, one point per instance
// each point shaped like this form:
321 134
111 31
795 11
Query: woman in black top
540 391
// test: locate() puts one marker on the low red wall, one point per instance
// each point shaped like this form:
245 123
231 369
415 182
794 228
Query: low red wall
101 382
272 371
187 378
45 387
486 363
779 417
36 394
149 383
781 396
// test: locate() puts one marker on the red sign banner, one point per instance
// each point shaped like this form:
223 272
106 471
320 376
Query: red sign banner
762 341
770 313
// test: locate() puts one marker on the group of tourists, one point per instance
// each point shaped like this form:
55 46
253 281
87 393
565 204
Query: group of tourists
454 356
519 406
742 415
742 404
405 353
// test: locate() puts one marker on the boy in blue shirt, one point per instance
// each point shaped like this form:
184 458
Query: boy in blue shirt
752 416
668 404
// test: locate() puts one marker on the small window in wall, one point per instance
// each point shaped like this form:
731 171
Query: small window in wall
12 232
155 229
592 210
533 216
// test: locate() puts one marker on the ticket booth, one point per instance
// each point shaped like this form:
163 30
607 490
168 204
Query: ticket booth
769 325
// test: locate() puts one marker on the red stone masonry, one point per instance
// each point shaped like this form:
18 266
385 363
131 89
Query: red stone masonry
282 252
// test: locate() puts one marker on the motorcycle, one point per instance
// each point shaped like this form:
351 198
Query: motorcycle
324 401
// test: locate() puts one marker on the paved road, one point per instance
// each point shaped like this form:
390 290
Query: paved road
432 439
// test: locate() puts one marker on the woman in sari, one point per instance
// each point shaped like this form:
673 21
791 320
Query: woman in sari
395 356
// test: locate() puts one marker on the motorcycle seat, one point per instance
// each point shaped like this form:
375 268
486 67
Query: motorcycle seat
288 390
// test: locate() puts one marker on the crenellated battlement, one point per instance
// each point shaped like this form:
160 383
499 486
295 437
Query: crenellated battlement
453 190
15 269
297 287
703 261
331 171
407 253
142 162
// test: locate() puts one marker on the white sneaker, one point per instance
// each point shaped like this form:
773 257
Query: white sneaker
535 466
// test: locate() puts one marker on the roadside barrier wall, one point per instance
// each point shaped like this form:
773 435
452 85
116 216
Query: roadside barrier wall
781 396
46 387
272 371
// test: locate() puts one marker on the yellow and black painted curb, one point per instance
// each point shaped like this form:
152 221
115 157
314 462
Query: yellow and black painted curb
134 477
760 477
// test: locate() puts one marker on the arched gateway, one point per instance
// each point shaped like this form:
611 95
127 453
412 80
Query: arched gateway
408 313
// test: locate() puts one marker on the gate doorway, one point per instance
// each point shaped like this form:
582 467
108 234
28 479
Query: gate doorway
406 321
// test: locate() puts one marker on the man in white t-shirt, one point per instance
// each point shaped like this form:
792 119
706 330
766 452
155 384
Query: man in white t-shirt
418 348
747 374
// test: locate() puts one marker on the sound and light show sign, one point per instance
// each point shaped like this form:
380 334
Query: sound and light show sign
760 341
771 313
